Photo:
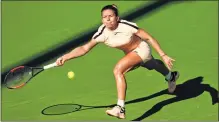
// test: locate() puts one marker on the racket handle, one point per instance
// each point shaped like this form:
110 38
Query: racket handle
50 66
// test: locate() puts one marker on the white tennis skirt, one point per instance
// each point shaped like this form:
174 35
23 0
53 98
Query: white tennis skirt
144 51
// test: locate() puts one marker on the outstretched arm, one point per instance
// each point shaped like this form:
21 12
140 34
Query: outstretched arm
77 52
154 43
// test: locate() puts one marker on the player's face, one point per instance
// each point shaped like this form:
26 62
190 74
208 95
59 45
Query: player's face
109 19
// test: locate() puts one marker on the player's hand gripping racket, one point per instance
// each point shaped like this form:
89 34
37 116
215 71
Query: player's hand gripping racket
21 75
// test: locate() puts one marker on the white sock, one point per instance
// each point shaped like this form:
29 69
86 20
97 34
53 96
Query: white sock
121 103
168 76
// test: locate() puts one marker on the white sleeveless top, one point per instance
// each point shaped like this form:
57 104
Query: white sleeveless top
122 35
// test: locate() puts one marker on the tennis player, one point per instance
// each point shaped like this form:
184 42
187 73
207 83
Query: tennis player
134 42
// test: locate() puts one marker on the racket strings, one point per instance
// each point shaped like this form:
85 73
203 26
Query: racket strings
18 76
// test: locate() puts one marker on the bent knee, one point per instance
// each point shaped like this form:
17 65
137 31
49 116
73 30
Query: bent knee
158 61
118 70
152 64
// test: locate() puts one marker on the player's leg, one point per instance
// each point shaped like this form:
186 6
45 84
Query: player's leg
125 64
150 63
156 64
160 67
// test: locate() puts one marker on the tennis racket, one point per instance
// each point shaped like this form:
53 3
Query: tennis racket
21 75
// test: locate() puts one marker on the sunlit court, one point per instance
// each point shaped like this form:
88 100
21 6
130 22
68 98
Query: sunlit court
37 33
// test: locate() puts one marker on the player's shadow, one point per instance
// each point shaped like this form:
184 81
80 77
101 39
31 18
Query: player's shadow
189 89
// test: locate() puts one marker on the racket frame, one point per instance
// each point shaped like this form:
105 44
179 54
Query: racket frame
24 83
33 75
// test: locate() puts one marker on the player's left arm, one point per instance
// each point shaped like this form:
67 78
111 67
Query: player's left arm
154 43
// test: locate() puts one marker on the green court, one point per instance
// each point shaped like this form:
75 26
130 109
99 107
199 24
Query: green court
186 31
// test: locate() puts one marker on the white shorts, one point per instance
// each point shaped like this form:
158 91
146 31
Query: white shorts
144 51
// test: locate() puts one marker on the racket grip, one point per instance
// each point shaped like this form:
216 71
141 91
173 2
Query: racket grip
50 66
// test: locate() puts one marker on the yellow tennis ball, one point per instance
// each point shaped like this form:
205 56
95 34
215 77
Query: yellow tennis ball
71 75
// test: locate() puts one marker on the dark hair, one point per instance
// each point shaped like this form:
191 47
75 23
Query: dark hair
111 7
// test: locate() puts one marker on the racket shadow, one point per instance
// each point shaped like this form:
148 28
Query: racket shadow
61 109
189 89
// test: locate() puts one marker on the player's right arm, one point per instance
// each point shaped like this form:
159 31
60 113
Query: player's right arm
77 52
82 50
